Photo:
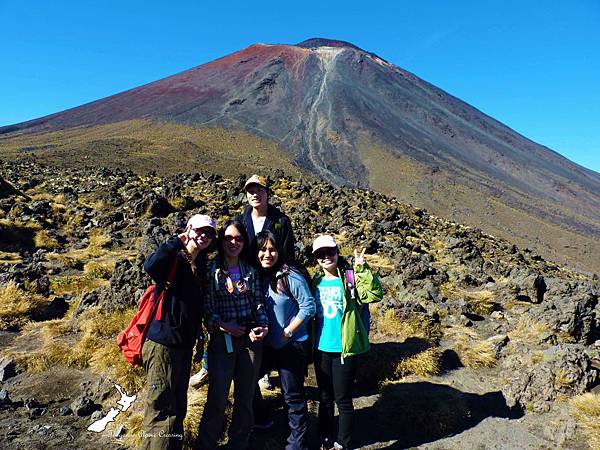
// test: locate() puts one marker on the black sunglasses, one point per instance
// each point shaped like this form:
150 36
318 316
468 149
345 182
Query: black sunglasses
325 252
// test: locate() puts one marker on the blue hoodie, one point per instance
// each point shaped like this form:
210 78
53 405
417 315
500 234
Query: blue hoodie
283 308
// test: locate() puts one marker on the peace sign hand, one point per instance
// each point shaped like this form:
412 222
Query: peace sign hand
359 260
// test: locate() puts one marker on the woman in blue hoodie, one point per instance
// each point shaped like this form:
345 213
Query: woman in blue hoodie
289 306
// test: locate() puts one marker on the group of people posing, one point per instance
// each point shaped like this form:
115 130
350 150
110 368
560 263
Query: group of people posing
256 305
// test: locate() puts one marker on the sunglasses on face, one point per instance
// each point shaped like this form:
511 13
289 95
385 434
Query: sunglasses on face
204 232
325 253
231 238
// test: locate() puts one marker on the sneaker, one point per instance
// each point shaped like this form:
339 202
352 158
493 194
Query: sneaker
337 446
199 379
265 383
263 425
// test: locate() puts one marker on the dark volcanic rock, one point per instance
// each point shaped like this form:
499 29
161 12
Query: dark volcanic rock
7 369
570 308
84 406
565 368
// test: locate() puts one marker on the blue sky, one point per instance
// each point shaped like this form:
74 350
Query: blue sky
533 65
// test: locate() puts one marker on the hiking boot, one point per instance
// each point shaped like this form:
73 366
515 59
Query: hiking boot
199 379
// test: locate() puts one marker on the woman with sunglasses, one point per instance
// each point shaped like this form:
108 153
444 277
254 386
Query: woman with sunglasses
167 351
237 323
341 292
289 306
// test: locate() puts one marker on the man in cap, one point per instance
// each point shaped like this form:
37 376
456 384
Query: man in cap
259 215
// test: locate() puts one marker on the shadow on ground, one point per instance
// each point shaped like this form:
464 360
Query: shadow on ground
380 363
416 413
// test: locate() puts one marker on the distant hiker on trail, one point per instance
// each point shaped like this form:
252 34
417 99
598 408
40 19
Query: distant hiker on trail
341 292
167 351
259 215
236 319
290 305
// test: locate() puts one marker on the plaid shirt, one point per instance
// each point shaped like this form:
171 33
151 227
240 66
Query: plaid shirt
245 308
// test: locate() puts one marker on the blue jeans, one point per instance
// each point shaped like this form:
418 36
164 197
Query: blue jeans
291 362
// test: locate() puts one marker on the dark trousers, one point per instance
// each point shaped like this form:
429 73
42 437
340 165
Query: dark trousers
240 366
335 381
168 373
290 362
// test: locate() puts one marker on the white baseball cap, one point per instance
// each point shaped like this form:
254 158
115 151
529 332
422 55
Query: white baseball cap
201 221
323 241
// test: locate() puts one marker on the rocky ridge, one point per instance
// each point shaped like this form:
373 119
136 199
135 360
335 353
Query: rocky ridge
450 289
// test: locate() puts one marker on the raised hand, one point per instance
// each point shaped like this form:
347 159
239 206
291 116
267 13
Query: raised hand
359 260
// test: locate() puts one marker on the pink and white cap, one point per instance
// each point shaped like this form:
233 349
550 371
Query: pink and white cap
201 221
323 241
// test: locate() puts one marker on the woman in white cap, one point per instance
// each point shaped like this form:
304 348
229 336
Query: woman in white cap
342 291
167 351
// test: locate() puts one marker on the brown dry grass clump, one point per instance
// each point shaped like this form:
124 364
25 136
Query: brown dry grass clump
16 306
16 235
10 258
134 424
479 301
586 410
75 284
195 408
424 364
391 324
472 350
98 246
99 269
86 341
43 240
528 330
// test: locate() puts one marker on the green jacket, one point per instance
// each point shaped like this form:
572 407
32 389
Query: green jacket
355 339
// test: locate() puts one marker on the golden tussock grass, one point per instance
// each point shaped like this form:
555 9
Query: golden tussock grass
563 379
75 284
586 411
35 195
391 324
424 364
134 424
16 306
380 262
86 341
43 240
99 269
10 258
480 302
195 408
472 351
98 246
528 330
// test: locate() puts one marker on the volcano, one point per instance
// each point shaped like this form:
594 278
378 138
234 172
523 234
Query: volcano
350 117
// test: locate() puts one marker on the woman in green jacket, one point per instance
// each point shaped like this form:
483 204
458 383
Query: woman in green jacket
342 291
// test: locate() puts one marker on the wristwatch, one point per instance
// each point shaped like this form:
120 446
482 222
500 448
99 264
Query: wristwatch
288 333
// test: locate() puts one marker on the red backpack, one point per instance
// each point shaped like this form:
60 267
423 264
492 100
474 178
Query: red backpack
131 339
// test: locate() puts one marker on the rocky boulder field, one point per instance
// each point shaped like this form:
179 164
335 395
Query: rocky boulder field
477 343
